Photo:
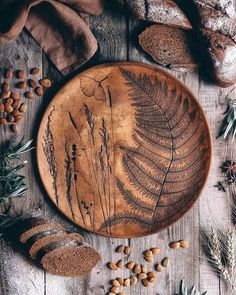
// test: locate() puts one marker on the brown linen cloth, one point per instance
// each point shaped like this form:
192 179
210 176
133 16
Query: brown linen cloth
59 26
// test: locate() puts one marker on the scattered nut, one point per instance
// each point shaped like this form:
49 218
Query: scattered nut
23 107
120 249
35 71
146 282
10 118
127 282
21 85
144 269
151 280
127 250
130 265
120 263
20 74
121 281
156 250
151 274
39 91
14 128
6 86
29 94
115 283
133 280
9 101
112 266
15 96
15 113
15 104
114 289
5 94
174 245
3 121
8 108
46 83
148 253
32 83
1 107
142 276
166 262
184 244
149 258
137 268
18 118
158 267
9 74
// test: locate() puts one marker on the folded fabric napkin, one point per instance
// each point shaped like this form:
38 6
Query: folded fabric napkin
59 26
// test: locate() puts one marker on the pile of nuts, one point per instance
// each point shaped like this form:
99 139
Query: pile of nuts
140 272
11 109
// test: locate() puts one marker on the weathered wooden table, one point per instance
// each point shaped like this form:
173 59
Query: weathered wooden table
117 37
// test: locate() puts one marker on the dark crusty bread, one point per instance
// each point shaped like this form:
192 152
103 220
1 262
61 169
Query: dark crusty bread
46 240
158 11
217 26
68 257
169 47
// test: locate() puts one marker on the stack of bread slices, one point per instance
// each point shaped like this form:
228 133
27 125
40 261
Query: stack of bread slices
175 40
58 250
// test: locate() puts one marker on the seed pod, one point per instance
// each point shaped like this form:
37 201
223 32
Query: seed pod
46 83
127 282
115 283
174 245
39 91
21 85
184 244
114 289
130 265
20 74
29 94
146 282
1 107
9 74
158 267
166 262
144 269
18 118
137 268
10 118
142 276
9 101
8 108
6 86
127 250
16 104
120 249
15 113
14 128
149 258
32 83
35 71
112 266
133 280
156 250
151 274
3 121
121 281
23 107
15 96
120 263
5 94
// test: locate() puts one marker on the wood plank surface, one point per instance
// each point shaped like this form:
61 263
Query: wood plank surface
117 37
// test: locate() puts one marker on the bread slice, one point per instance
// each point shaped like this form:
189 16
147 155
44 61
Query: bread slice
48 239
171 47
158 11
68 257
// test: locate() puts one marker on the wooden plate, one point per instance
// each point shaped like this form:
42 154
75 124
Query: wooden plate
124 149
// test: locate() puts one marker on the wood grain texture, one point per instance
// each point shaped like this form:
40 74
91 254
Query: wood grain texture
123 159
117 36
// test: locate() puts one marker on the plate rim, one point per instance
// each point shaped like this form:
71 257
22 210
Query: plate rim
143 65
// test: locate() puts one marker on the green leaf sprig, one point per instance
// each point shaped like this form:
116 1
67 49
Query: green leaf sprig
12 184
183 289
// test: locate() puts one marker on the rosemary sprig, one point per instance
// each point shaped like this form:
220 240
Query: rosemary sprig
183 289
228 125
12 184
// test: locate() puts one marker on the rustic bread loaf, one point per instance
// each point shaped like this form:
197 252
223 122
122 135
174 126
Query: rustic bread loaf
217 27
68 257
169 46
158 11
